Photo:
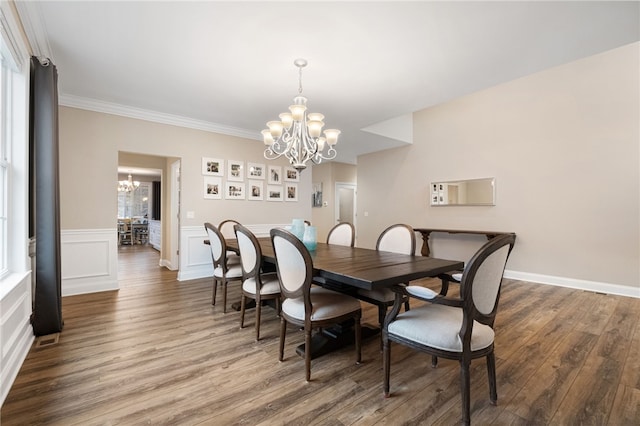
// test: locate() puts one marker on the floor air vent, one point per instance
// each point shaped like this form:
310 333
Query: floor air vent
48 340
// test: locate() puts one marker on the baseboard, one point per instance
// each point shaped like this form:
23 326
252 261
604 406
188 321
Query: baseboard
598 287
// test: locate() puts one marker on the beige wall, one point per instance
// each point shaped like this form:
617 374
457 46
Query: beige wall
329 174
89 146
563 145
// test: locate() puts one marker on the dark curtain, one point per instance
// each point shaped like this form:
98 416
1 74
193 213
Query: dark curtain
157 200
44 220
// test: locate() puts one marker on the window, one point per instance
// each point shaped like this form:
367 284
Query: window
14 86
136 203
4 168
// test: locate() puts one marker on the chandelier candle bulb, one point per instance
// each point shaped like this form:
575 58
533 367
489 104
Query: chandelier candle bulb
315 128
297 111
268 139
332 136
275 127
287 120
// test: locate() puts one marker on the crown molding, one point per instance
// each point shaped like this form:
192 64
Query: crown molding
154 116
32 22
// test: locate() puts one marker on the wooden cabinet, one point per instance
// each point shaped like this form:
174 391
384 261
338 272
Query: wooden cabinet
155 234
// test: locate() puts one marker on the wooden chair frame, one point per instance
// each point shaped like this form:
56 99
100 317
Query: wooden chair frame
304 291
219 261
470 314
253 271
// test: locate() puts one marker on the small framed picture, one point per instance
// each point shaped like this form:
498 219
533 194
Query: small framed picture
256 171
234 191
291 192
212 188
291 174
235 171
256 188
275 175
274 192
212 166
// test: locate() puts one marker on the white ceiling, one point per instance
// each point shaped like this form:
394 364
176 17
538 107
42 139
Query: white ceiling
228 66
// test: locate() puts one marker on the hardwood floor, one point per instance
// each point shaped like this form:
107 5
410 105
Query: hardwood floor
158 352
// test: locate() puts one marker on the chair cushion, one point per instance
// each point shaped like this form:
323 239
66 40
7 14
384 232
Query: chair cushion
327 304
437 326
419 291
270 284
233 271
457 277
384 295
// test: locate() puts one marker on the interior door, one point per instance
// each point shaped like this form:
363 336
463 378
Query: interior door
345 203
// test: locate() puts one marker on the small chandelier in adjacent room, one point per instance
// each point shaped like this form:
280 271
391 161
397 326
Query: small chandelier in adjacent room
128 185
297 135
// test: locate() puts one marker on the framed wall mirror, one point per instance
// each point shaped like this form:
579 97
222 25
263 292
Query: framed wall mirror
468 192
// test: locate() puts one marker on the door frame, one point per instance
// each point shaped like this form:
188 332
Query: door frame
336 213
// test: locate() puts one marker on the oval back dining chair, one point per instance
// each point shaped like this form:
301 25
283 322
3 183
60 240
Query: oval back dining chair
305 305
226 228
222 272
398 238
455 328
343 234
255 284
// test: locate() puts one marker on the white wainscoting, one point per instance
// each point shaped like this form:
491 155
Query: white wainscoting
89 261
16 333
195 256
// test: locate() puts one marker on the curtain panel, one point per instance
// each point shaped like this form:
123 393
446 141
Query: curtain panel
44 220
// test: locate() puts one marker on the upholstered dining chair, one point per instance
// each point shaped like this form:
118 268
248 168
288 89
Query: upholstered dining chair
226 228
343 234
255 284
222 272
398 238
454 328
305 305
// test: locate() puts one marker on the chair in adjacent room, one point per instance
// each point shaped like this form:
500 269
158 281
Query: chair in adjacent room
226 228
455 328
305 305
398 238
256 285
222 272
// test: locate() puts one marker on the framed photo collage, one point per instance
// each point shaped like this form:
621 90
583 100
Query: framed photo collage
256 182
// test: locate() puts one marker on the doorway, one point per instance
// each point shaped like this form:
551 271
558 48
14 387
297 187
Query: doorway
345 203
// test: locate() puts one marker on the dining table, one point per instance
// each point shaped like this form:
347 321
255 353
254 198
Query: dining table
347 269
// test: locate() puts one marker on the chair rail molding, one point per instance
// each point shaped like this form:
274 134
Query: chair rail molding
89 260
195 256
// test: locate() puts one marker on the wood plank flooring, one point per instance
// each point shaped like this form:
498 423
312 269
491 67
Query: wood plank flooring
157 352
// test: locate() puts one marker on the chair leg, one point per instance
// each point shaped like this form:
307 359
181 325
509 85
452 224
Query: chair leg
386 361
224 296
243 303
491 370
283 332
406 305
358 331
307 352
434 361
215 286
258 307
465 384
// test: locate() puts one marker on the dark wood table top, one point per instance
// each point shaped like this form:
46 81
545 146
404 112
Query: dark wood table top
366 268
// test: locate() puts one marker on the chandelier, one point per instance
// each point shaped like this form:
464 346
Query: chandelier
297 135
128 185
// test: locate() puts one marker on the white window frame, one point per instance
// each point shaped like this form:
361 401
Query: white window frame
14 151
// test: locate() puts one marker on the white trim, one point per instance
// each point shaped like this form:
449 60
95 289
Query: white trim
16 332
154 116
89 260
598 287
32 22
195 257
